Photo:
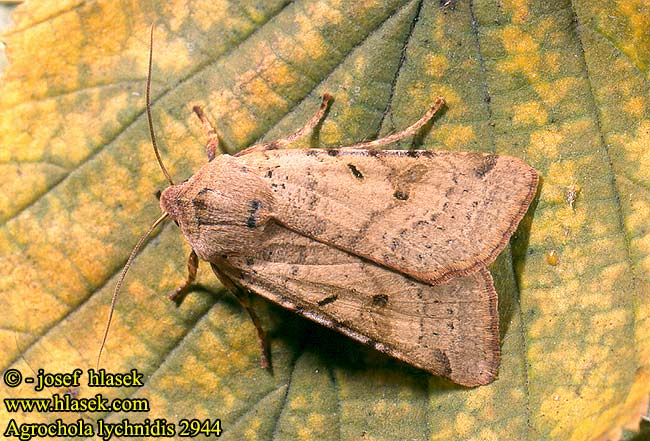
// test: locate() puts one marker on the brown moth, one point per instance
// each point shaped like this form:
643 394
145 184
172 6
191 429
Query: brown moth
388 247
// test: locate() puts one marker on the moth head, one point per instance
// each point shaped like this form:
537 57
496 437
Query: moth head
222 209
169 200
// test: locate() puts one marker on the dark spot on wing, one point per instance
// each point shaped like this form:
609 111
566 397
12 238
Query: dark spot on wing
400 195
251 222
271 146
333 152
486 165
379 300
269 174
327 300
319 228
355 171
442 358
199 204
415 173
420 224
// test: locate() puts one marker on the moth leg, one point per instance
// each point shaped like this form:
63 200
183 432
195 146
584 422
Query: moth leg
244 300
213 139
262 336
192 267
282 142
437 105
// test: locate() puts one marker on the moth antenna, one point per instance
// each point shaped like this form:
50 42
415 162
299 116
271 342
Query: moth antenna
148 105
23 356
127 265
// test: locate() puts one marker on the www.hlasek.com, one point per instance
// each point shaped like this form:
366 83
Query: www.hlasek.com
69 402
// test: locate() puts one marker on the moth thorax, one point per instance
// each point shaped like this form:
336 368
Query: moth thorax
222 210
230 224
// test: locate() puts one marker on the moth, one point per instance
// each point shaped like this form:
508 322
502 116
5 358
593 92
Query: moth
389 247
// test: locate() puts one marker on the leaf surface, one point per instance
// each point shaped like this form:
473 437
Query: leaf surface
560 84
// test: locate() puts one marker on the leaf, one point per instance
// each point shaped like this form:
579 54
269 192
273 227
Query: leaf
563 85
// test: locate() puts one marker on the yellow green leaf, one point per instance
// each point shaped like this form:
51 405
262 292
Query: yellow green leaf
561 84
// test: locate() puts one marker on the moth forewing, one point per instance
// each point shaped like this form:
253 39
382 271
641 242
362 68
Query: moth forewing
429 214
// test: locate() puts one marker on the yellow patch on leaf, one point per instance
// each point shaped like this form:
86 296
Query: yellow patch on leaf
516 41
639 22
438 64
529 113
464 424
518 10
459 136
552 93
636 106
637 150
